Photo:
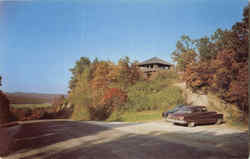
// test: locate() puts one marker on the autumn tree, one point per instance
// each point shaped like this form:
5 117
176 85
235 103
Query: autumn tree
222 64
113 98
95 81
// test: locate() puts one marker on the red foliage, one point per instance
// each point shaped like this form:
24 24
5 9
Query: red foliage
113 98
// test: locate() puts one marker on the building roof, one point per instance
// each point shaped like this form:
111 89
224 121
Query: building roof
154 60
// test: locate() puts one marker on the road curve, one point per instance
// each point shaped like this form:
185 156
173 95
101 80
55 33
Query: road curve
66 139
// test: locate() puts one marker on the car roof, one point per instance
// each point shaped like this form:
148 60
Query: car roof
195 107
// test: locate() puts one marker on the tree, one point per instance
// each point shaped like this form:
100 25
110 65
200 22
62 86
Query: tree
185 53
113 98
223 67
76 71
81 97
101 78
206 48
124 71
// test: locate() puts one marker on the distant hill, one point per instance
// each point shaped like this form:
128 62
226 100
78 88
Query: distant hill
31 98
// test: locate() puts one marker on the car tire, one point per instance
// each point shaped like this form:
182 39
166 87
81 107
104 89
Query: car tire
219 121
191 124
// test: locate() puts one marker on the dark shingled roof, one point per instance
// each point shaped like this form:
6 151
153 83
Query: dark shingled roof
155 60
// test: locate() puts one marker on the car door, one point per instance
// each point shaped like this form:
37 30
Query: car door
206 117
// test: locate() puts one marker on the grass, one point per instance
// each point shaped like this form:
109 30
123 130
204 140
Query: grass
31 106
144 116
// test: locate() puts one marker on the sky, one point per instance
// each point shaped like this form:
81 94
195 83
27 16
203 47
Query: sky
40 40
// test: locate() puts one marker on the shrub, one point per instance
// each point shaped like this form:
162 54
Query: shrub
167 75
115 116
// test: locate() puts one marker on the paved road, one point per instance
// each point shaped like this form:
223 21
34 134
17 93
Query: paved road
67 139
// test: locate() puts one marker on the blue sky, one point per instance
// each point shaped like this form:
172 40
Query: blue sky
40 40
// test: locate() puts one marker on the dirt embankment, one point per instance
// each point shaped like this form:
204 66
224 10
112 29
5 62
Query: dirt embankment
193 98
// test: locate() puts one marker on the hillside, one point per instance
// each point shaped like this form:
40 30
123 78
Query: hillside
31 98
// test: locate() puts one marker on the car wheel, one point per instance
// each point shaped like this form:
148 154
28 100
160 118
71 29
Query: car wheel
191 124
219 121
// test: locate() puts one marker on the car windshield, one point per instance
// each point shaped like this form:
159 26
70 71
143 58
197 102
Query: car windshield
184 110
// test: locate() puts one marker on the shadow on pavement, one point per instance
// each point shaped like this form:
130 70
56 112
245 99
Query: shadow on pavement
39 134
151 147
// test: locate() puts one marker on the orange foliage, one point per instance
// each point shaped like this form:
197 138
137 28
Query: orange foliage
227 73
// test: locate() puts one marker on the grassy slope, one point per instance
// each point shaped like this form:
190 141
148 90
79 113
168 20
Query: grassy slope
144 116
232 116
165 99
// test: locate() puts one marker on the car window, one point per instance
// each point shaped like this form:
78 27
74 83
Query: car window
184 110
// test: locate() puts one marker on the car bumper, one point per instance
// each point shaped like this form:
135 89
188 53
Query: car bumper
177 121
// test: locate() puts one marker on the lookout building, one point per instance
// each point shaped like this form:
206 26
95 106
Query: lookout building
153 65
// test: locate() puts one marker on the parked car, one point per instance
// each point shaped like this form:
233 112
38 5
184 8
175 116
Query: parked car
195 115
176 108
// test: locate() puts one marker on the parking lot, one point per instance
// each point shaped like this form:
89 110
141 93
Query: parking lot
118 140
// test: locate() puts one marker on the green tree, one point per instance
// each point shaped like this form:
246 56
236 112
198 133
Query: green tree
76 71
185 53
206 48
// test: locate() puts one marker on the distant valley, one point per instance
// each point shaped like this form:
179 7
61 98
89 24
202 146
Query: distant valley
31 98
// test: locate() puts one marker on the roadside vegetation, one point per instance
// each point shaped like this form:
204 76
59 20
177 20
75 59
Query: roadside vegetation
4 107
21 112
31 106
218 65
102 90
56 109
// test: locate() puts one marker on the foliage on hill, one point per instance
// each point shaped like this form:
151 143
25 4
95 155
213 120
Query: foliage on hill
102 88
218 63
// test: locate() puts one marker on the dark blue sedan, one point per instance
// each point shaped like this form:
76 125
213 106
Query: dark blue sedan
178 107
